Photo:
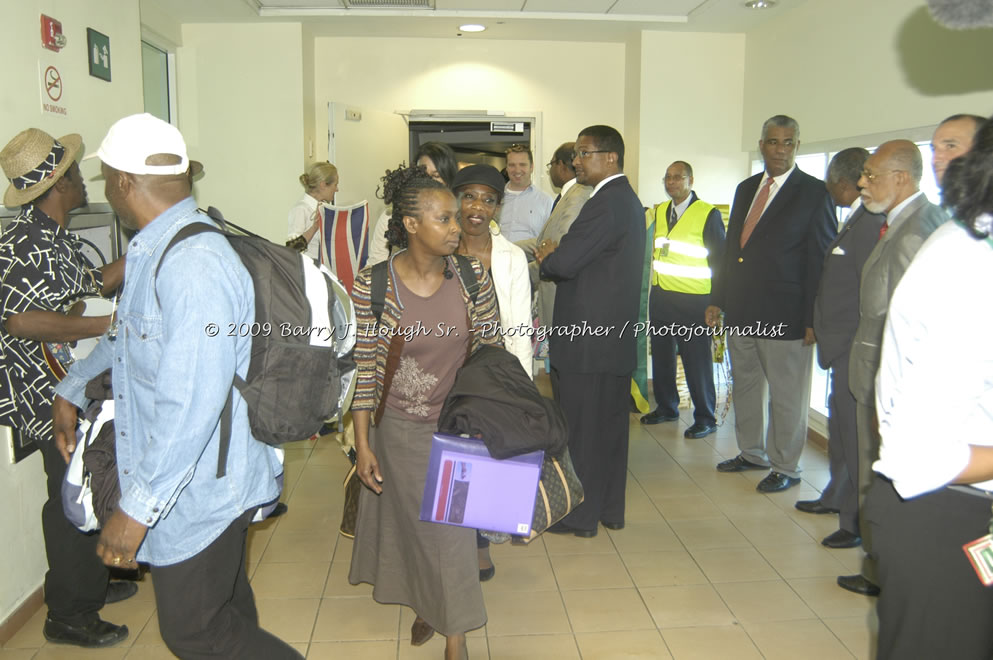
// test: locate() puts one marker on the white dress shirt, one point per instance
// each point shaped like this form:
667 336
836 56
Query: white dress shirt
777 184
934 388
301 217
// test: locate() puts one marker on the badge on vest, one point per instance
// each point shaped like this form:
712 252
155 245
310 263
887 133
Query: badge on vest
980 554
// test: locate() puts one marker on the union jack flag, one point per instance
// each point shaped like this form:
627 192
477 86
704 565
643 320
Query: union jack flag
345 240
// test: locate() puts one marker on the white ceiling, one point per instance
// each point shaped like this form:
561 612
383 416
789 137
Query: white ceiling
570 20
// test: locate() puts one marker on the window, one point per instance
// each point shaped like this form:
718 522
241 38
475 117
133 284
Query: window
156 74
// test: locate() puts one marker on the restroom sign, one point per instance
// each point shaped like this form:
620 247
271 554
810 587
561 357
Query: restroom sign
98 51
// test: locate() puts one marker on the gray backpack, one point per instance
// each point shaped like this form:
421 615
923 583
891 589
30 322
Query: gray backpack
301 371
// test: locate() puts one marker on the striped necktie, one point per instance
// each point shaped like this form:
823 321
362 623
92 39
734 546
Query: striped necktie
756 211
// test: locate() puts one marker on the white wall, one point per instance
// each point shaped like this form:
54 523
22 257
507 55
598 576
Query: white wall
632 110
846 68
691 98
92 105
241 112
466 74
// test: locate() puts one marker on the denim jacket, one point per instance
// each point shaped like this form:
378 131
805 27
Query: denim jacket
174 360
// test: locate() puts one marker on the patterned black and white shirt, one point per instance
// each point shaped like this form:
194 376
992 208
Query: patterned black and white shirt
41 268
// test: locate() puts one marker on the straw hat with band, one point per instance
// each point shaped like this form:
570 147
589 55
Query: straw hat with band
33 161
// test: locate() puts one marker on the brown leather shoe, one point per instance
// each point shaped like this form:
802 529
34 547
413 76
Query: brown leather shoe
420 632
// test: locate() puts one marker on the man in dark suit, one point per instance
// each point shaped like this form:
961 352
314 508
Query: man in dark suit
782 221
836 316
890 184
687 252
597 268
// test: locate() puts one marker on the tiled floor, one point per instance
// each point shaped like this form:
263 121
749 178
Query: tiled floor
706 568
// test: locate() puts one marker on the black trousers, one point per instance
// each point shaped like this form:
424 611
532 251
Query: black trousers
670 312
76 581
596 408
932 604
206 607
842 492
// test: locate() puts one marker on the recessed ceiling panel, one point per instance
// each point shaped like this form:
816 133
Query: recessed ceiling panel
479 5
572 6
308 4
656 7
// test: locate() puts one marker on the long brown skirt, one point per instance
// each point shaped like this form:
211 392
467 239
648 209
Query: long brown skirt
429 567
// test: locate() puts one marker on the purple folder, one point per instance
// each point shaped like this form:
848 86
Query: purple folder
465 486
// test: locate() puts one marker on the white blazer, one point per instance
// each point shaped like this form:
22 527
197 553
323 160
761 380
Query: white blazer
509 271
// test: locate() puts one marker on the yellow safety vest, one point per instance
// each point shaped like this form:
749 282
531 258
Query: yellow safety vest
680 259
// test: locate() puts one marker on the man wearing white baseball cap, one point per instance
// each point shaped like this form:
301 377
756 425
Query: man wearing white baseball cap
173 366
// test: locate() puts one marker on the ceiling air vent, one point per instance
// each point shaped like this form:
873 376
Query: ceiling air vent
389 4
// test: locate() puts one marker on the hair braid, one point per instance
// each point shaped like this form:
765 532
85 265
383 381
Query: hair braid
402 190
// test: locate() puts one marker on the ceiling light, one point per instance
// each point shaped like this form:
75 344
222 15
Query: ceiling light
472 27
760 4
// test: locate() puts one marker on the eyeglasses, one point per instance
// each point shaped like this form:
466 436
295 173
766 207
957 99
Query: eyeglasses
674 178
586 154
871 177
550 164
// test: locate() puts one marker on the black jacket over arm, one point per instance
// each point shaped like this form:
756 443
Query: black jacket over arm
774 278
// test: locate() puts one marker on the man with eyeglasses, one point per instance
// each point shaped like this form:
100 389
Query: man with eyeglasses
890 184
598 269
688 247
782 221
525 207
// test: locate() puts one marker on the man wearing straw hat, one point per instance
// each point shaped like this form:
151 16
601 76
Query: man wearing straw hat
43 277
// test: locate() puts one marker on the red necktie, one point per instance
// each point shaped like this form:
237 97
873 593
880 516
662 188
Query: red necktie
756 212
882 229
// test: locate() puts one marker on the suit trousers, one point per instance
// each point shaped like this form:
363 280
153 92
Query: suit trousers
206 607
931 604
771 395
697 356
843 452
76 581
868 441
597 411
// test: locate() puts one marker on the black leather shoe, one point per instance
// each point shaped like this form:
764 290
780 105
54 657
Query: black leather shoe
95 634
657 417
813 506
775 482
278 510
487 573
842 539
858 584
119 590
699 431
561 528
612 525
739 464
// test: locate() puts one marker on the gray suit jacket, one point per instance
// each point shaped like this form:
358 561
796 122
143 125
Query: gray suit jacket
563 215
882 272
836 308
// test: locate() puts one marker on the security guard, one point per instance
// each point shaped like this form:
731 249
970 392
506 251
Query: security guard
689 243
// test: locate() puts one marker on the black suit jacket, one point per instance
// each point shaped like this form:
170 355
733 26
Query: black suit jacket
836 309
598 268
773 279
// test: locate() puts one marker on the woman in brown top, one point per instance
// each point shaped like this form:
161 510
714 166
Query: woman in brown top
406 366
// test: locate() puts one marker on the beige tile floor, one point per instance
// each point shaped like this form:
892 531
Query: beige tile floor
706 568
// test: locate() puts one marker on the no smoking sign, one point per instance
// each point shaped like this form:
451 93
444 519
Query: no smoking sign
52 87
